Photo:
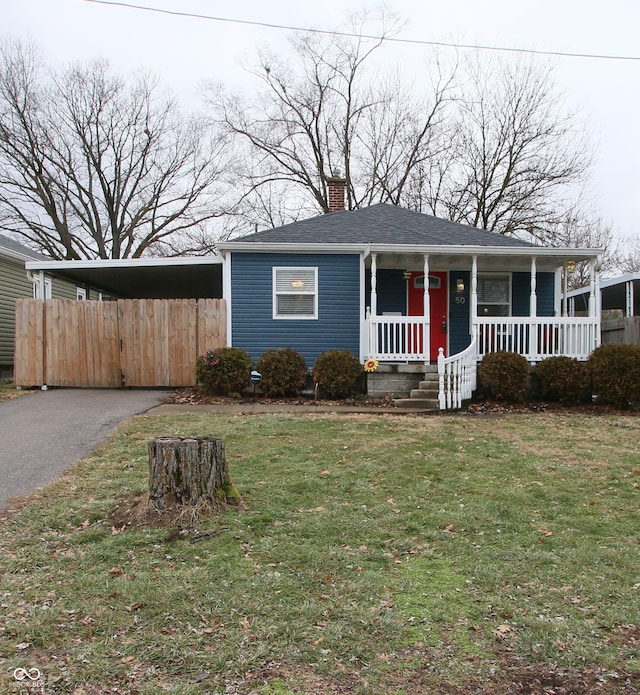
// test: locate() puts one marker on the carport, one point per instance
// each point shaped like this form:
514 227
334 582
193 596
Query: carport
161 314
141 278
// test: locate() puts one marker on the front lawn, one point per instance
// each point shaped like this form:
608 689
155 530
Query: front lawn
373 554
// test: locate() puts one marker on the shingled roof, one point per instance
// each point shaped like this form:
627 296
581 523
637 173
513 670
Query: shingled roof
382 224
16 248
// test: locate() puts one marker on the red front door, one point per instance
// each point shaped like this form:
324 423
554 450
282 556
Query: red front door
438 304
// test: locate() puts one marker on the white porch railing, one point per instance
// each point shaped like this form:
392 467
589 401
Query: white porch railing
457 377
398 338
539 337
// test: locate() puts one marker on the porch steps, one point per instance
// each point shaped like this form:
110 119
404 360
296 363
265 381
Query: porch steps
425 397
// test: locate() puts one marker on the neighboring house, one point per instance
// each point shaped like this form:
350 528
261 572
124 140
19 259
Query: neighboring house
355 280
16 282
620 306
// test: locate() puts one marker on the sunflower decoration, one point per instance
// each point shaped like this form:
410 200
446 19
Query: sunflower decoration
371 365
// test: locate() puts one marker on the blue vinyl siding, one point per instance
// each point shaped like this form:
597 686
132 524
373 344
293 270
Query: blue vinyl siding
337 326
459 303
521 294
391 288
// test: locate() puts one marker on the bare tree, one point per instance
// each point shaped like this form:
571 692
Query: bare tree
516 154
493 148
92 166
324 114
581 227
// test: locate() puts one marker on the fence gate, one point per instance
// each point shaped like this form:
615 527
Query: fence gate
130 342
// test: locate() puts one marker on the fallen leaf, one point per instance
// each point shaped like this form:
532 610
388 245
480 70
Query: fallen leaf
116 571
23 645
502 631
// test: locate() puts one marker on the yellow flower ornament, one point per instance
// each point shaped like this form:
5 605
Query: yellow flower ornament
371 365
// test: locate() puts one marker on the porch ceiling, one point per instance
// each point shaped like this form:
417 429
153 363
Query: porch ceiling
142 278
456 261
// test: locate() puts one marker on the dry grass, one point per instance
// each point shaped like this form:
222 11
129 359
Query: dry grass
373 554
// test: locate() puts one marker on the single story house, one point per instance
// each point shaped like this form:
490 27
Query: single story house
407 290
411 291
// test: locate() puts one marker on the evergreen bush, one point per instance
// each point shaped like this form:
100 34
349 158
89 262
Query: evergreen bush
563 380
224 372
505 376
284 372
337 373
615 374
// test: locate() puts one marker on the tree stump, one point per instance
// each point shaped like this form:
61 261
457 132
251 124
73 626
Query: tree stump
188 470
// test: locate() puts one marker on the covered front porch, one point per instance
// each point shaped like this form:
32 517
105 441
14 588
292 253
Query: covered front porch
475 301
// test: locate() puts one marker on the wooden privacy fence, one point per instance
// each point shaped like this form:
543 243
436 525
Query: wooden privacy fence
129 342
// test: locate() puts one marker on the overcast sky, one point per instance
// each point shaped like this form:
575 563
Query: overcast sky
185 51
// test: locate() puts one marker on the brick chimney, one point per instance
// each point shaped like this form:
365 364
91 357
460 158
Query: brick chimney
337 186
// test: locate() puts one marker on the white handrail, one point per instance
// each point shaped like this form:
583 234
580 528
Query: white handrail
398 338
457 377
539 337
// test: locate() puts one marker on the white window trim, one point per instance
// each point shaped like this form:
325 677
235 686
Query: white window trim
81 293
298 317
509 279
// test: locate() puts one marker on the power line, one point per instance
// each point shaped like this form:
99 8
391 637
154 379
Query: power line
421 42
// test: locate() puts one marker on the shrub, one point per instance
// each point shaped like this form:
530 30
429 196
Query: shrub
505 376
563 380
284 372
225 372
615 374
337 373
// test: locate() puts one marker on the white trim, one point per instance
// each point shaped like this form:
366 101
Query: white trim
275 293
226 293
363 330
81 293
124 263
436 249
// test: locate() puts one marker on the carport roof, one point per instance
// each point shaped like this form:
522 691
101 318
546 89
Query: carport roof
142 278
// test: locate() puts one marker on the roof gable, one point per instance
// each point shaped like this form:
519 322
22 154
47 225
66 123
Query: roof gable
382 224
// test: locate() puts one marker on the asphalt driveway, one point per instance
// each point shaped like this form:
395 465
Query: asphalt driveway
42 434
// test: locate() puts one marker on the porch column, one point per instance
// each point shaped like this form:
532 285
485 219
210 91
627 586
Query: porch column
557 292
426 302
374 282
595 300
533 299
473 309
426 306
533 311
594 287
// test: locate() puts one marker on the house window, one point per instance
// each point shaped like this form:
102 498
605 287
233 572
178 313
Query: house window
81 293
295 293
494 295
435 283
42 290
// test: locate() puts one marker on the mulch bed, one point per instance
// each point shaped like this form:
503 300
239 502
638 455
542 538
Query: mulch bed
194 396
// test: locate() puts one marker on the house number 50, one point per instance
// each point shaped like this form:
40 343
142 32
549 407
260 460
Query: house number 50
461 300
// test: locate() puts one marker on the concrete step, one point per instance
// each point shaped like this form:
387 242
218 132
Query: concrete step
429 384
430 404
422 393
